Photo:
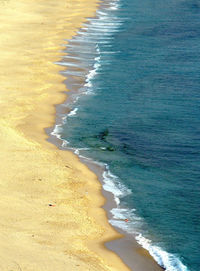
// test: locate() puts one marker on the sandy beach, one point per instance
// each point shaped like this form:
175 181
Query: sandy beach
51 215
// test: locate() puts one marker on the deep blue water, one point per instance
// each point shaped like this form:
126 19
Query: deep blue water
142 119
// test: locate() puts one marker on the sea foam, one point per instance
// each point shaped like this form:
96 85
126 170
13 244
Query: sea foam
86 47
167 260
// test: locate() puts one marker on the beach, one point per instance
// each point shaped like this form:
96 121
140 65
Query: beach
54 211
51 215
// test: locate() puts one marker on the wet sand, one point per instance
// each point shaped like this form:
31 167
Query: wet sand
51 215
74 62
132 254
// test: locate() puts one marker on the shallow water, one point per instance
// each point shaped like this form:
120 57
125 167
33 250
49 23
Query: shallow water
139 61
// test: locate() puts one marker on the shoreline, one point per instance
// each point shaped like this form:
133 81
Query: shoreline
126 243
132 254
47 220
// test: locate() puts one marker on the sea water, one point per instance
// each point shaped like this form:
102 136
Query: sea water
135 69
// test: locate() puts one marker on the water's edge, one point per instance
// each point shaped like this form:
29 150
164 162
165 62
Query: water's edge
127 247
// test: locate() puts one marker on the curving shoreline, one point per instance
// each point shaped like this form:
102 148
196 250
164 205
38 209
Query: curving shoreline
48 222
80 67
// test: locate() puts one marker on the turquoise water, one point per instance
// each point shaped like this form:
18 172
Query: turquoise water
139 61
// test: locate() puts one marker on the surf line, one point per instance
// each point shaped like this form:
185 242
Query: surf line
83 63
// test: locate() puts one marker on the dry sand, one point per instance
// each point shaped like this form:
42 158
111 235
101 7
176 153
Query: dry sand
33 172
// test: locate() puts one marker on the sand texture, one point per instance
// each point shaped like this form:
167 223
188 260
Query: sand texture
33 173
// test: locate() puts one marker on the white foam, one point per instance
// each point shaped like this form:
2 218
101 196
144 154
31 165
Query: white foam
92 72
73 112
109 52
64 119
101 13
112 184
105 26
120 216
57 131
82 40
126 219
65 143
98 23
167 260
115 5
121 224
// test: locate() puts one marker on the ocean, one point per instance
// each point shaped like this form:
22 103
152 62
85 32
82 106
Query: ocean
133 76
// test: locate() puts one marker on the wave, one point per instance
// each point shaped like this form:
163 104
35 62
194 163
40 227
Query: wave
114 186
168 261
85 47
73 112
92 73
120 216
57 131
